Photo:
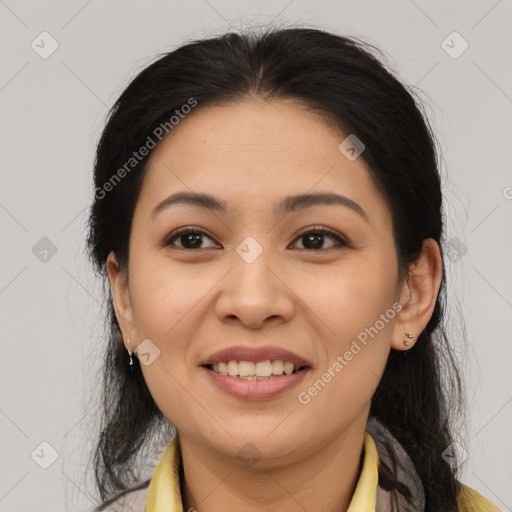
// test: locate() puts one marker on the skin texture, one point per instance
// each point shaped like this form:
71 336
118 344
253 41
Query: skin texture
193 302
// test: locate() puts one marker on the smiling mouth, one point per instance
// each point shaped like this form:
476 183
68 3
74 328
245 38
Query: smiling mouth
250 370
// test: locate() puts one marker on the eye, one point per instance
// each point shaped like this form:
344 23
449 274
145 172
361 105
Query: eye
189 238
313 238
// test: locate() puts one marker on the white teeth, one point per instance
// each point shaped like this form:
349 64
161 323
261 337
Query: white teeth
223 368
277 367
246 368
263 369
232 368
288 368
250 370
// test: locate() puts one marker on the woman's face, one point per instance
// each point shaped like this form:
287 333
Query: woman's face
258 274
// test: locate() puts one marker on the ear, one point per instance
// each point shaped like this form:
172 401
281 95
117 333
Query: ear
118 280
418 295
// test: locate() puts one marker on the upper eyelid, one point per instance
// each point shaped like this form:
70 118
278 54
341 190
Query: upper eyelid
322 229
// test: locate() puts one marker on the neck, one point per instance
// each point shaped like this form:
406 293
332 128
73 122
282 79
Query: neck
322 478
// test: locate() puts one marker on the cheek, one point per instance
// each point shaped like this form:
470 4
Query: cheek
166 301
162 306
360 320
350 298
356 307
162 295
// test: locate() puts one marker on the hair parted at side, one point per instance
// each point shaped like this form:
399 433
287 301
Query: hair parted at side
420 395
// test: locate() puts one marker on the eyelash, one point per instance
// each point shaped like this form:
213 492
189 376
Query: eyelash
315 229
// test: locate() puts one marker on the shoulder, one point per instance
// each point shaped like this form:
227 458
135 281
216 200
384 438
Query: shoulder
470 500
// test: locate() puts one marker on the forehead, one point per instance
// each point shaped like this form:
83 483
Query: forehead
253 153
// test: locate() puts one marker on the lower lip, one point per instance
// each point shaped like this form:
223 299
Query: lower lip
255 389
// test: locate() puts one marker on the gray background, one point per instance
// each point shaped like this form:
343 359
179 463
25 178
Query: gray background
53 110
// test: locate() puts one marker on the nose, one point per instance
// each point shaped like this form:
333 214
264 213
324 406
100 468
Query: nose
255 294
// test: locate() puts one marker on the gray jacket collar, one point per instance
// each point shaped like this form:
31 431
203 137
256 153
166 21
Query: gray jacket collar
405 471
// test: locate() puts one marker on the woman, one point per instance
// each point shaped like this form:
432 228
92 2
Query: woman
268 213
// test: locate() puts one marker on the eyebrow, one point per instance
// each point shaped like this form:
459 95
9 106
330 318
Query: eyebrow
286 205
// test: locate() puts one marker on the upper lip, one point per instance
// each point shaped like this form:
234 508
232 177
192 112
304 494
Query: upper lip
245 353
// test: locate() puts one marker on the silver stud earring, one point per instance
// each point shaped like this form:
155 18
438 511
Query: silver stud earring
131 358
406 343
